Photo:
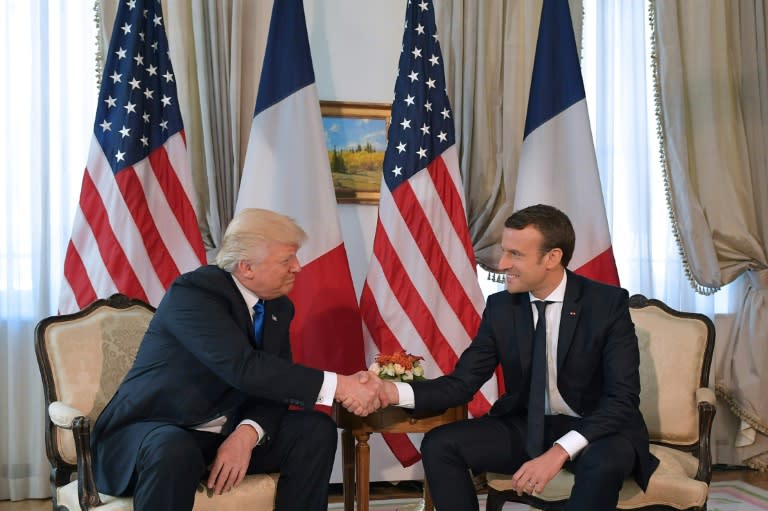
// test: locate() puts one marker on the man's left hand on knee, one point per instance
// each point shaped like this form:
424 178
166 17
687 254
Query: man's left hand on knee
231 463
533 475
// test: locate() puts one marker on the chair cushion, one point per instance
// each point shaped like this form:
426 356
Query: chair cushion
256 493
672 484
66 496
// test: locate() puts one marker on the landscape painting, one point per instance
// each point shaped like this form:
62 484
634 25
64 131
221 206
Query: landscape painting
356 138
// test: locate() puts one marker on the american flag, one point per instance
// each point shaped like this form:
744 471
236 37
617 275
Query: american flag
135 228
421 293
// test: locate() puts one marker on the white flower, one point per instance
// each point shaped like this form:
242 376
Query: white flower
399 369
418 371
375 368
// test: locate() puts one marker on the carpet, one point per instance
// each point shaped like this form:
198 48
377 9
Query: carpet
418 505
723 496
736 496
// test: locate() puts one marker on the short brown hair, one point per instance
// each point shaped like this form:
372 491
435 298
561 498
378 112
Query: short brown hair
553 224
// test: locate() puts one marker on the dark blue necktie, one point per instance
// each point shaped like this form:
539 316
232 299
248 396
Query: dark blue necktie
535 437
258 322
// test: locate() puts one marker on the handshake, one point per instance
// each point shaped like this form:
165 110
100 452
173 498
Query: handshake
363 393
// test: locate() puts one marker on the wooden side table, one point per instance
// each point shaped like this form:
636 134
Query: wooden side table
356 458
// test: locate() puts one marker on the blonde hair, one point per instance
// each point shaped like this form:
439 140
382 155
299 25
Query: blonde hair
251 232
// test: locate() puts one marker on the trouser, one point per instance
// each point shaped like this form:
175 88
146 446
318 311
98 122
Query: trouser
493 444
172 461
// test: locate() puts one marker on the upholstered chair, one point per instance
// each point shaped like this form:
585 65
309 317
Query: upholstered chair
83 357
678 406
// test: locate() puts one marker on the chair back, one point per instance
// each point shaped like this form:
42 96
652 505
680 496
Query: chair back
675 356
83 358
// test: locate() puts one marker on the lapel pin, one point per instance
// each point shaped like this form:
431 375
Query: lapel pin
274 318
572 313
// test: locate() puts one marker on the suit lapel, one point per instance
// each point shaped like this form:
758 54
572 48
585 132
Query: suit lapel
242 313
569 317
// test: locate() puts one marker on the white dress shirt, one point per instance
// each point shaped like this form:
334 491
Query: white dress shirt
573 442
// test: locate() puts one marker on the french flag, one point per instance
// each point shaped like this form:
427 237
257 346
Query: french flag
557 161
286 170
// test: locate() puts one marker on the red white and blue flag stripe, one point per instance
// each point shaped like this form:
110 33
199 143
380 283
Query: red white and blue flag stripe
421 293
135 228
557 161
287 170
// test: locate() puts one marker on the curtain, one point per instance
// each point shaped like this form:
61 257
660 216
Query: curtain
713 97
48 102
216 51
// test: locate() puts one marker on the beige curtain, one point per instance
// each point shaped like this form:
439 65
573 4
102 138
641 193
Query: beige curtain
712 86
216 50
489 47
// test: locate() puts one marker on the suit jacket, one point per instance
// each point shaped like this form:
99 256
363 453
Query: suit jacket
197 361
597 364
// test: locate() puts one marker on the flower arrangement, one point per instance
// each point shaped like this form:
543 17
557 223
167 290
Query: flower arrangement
400 366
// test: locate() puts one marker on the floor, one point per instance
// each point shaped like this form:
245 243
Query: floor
411 488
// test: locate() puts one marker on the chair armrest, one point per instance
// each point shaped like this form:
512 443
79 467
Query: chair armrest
86 483
62 415
68 417
706 418
705 395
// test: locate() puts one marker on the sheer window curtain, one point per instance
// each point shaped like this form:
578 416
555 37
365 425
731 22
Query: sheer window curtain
619 84
48 96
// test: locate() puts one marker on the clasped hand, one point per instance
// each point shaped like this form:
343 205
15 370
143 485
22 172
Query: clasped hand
361 393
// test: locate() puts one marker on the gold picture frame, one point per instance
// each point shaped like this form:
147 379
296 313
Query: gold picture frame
356 139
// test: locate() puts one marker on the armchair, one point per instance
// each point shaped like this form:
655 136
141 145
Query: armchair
83 357
676 351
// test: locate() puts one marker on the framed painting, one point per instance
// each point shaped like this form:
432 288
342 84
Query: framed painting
356 138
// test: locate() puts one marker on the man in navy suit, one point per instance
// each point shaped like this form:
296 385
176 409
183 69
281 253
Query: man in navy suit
590 420
209 394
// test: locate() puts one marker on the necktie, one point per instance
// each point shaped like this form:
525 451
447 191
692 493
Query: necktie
258 322
535 436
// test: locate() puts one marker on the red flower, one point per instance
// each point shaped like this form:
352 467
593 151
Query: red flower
401 357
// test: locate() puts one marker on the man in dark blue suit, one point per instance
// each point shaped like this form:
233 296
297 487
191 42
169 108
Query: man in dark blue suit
208 393
580 410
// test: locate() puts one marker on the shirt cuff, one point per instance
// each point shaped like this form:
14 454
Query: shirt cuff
573 442
406 398
328 389
259 430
